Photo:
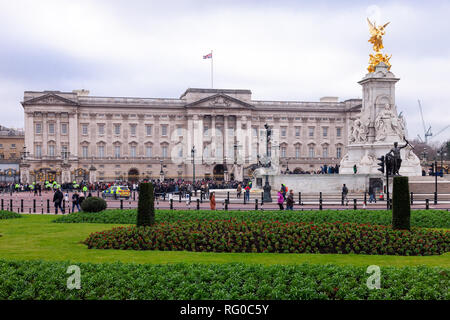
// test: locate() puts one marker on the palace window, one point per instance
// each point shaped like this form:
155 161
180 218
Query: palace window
325 152
84 150
297 131
117 151
133 129
51 150
283 131
1 145
117 129
13 146
51 128
164 151
325 131
283 152
101 151
38 151
38 128
311 152
311 131
101 129
63 128
206 131
148 151
338 132
164 130
84 129
180 131
148 130
133 151
338 152
297 152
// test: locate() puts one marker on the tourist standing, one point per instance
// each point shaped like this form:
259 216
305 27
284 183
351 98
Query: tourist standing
212 201
345 193
239 191
75 201
247 193
280 200
372 195
355 169
290 201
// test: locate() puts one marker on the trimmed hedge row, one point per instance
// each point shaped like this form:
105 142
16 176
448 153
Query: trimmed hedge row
4 214
273 237
419 218
33 280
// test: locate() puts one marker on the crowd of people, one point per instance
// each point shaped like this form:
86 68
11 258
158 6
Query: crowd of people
325 169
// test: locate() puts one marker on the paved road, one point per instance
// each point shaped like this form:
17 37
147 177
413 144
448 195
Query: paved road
27 202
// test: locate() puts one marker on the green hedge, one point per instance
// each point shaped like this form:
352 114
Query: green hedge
93 205
33 280
401 207
273 237
146 205
4 214
419 218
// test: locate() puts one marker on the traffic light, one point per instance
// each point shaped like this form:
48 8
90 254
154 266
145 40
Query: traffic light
431 169
381 164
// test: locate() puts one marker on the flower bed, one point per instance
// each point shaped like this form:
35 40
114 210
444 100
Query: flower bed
41 280
419 218
273 236
9 215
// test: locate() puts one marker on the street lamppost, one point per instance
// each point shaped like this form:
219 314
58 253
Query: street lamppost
267 187
435 181
161 172
193 169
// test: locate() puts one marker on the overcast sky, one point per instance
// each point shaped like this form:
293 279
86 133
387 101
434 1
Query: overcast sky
280 50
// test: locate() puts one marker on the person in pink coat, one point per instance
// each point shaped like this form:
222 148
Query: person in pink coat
280 200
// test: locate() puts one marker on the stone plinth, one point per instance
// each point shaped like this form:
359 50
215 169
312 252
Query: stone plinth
374 132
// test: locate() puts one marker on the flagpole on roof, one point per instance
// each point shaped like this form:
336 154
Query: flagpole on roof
212 78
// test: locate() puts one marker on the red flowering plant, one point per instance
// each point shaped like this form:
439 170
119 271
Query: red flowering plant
272 236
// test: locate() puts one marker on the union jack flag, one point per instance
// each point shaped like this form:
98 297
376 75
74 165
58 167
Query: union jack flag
208 56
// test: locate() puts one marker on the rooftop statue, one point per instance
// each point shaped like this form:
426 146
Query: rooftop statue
376 39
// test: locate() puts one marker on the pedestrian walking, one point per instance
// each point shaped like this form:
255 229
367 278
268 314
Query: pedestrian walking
290 201
280 200
212 201
57 199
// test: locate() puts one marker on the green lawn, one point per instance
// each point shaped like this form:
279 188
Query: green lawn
36 237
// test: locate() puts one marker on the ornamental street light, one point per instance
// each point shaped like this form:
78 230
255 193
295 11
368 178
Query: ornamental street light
193 168
161 172
267 187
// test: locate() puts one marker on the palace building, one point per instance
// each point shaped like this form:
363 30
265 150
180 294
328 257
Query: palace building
213 132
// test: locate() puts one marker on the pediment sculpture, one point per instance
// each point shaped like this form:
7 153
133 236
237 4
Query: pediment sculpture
220 101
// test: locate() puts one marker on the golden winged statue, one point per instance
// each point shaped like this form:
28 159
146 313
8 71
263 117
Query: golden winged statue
376 39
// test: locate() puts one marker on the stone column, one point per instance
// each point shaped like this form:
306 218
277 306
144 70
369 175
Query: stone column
213 137
239 140
248 139
190 135
73 134
225 138
44 134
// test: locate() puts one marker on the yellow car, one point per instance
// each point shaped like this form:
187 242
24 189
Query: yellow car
117 192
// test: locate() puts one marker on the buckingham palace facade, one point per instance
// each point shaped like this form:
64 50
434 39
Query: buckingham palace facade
218 133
